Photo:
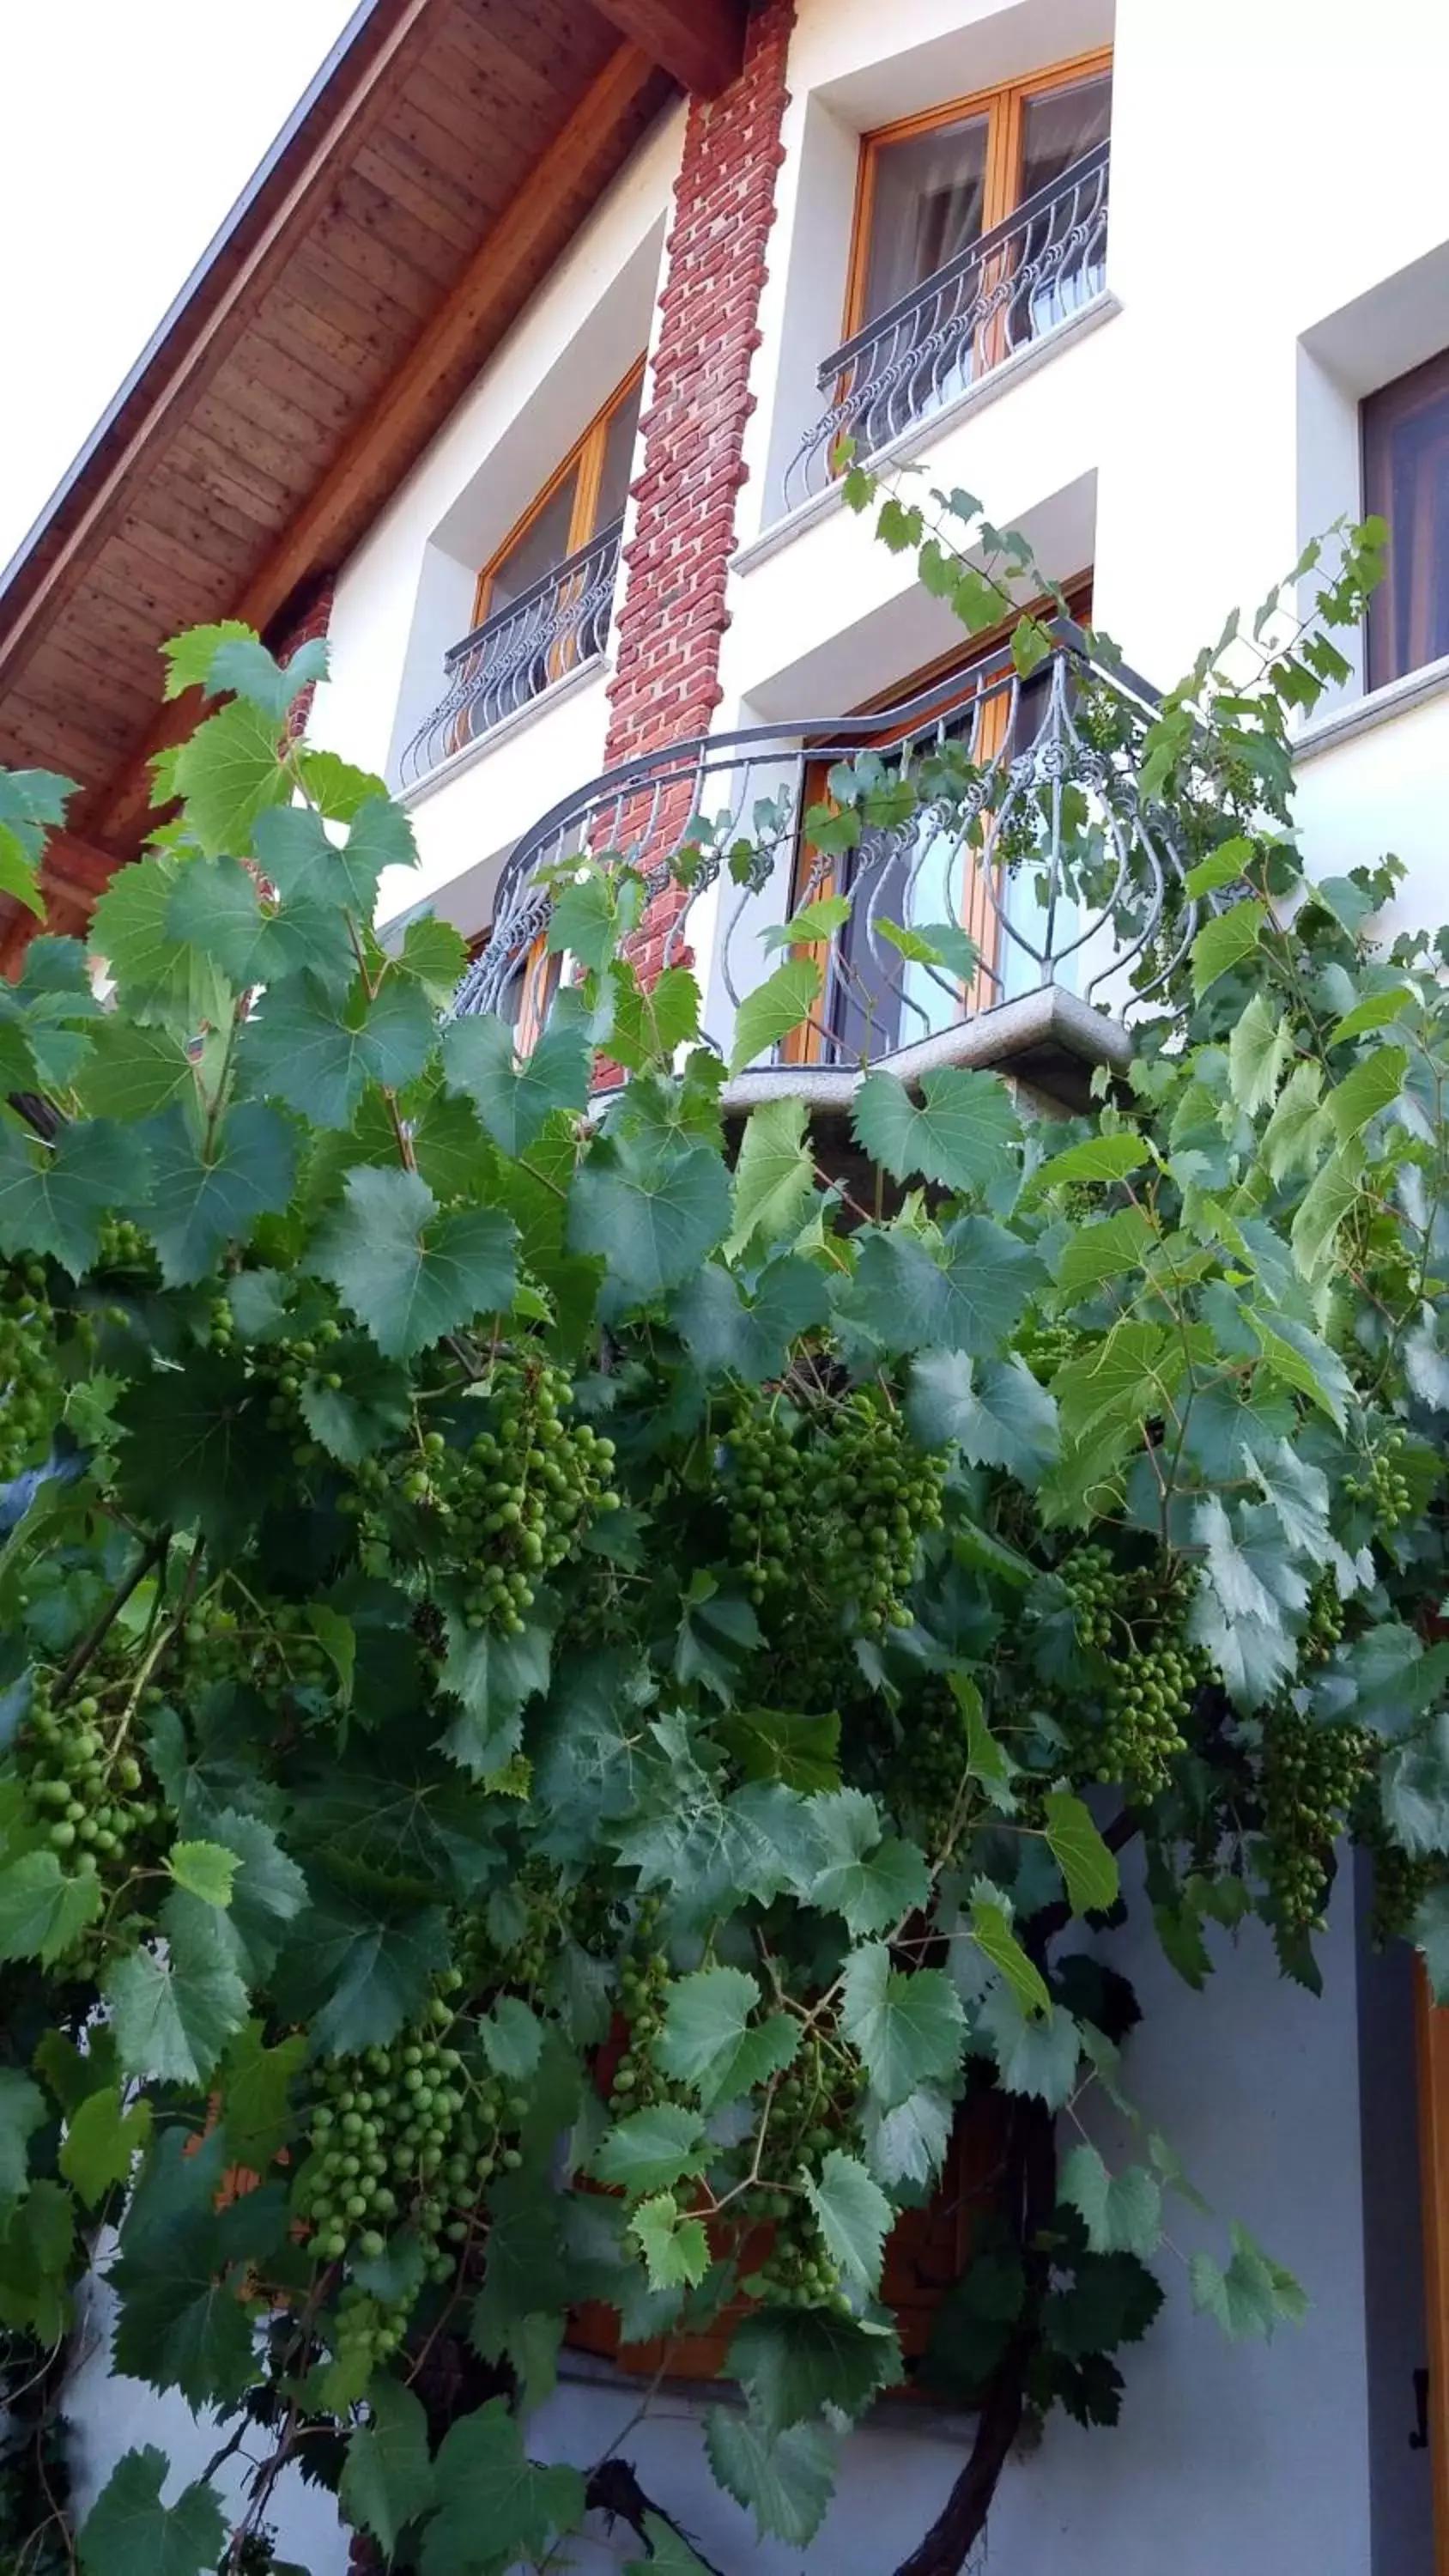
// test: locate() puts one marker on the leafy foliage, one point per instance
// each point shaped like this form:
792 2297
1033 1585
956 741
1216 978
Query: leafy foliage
564 1685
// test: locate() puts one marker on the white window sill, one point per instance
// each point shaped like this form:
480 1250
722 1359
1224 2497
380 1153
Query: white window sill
924 434
1380 706
571 685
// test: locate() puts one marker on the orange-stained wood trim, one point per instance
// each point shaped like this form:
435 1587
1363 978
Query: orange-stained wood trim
1004 107
1433 2038
383 78
700 43
375 455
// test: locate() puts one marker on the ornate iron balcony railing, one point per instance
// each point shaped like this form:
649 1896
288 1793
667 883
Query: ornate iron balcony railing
1025 830
513 657
1009 288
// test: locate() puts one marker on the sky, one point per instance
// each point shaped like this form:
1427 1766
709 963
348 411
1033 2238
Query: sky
130 127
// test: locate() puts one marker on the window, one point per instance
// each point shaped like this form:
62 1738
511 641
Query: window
543 602
1406 482
978 228
874 998
932 187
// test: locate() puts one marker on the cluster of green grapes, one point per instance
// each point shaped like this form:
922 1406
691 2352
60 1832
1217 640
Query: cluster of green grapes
1094 1589
86 1787
1401 1880
406 2134
1046 1348
920 1770
1323 1627
1312 1778
814 2108
30 1384
275 1651
1146 1709
766 1486
1385 1485
515 1501
643 1978
875 1494
123 1251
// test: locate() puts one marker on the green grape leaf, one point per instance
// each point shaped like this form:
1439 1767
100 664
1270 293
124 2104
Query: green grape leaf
970 1301
359 1977
373 1404
268 1890
1099 1158
1260 1051
495 2506
906 2024
387 2477
1373 1084
675 2248
1224 941
254 2082
964 1135
652 1209
23 2110
229 773
653 2149
242 665
132 1072
1252 2298
793 2363
669 2554
157 976
853 2214
1034 2053
408 1274
818 920
996 1412
991 1927
130 2532
1111 2300
1080 1854
1123 2212
189 657
512 2037
774 1008
786 2483
1110 1249
317 1052
102 2140
712 2041
182 2323
749 1336
585 921
872 1880
198 1451
515 1101
1414 1790
43 1913
774 1181
218 908
174 2008
204 1870
908 2144
298 856
53 1197
204 1197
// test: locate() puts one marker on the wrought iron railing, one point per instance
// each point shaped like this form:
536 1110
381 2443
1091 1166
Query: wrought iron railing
1009 288
1023 827
539 638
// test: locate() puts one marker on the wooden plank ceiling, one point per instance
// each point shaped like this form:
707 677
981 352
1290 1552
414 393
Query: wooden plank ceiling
434 173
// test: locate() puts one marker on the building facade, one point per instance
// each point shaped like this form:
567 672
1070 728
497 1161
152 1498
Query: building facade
1099 266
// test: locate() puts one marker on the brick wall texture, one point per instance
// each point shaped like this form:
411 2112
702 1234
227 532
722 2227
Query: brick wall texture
666 680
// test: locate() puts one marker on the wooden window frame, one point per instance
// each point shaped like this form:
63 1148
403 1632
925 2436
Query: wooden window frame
980 662
1380 414
1004 107
587 453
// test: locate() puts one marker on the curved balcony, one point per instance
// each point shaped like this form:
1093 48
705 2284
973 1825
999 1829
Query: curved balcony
539 638
1010 288
1022 859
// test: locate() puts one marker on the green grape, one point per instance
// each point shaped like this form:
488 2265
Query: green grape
1132 1725
875 1493
86 1785
1323 1627
266 1646
1094 1589
1384 1485
123 1251
764 1485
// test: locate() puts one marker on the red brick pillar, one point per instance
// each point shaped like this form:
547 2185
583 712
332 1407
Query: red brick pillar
304 621
666 682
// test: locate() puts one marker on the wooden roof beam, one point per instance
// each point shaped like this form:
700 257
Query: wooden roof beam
700 43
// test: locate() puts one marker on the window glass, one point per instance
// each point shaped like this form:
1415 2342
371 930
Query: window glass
1406 481
543 543
928 204
618 458
1059 126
